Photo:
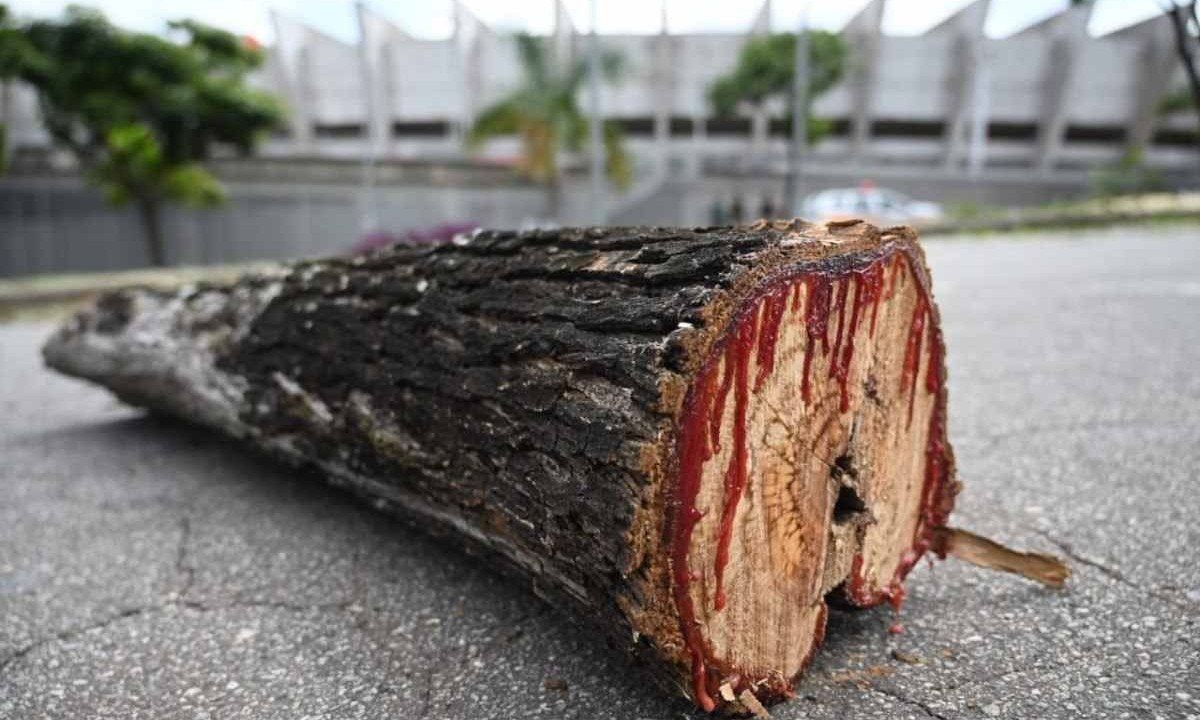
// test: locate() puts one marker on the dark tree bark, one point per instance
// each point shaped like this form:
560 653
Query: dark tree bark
691 437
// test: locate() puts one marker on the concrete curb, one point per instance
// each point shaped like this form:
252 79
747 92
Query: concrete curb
65 291
1153 207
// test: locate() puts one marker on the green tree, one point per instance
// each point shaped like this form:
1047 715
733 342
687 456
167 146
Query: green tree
766 66
545 114
139 112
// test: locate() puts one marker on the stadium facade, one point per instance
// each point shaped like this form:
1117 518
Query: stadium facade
1050 97
950 114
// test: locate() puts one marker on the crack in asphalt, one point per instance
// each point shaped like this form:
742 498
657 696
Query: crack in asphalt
186 572
72 633
516 630
426 694
911 702
1109 571
239 604
183 567
196 606
988 678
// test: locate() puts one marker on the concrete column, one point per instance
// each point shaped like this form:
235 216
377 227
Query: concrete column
305 133
864 33
966 27
468 32
663 84
564 35
375 35
699 142
759 127
291 50
980 111
1158 63
1053 122
1066 32
386 88
759 120
962 59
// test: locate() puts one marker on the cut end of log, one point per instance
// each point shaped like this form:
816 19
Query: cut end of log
811 460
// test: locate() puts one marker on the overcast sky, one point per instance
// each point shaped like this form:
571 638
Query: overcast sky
431 18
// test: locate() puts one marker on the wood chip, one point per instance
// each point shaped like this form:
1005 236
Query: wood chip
753 705
906 657
985 553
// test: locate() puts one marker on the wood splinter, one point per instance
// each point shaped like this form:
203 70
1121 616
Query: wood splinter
693 437
991 555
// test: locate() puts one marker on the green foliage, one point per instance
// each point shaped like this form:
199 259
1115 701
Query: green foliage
816 127
92 76
14 53
134 159
968 210
1127 176
140 111
1177 100
766 67
544 113
15 50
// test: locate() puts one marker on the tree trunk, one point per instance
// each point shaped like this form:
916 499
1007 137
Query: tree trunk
149 212
692 437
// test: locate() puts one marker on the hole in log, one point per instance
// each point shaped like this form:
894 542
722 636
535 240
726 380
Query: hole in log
772 509
849 506
843 469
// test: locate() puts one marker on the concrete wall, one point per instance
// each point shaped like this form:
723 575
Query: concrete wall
56 224
285 209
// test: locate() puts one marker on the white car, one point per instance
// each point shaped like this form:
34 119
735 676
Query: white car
875 205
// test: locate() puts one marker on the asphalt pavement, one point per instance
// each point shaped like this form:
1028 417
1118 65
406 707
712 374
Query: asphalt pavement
149 569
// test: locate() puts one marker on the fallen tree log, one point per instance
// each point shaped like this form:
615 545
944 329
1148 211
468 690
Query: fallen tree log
693 437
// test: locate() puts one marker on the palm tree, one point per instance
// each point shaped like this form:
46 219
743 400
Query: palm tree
545 113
